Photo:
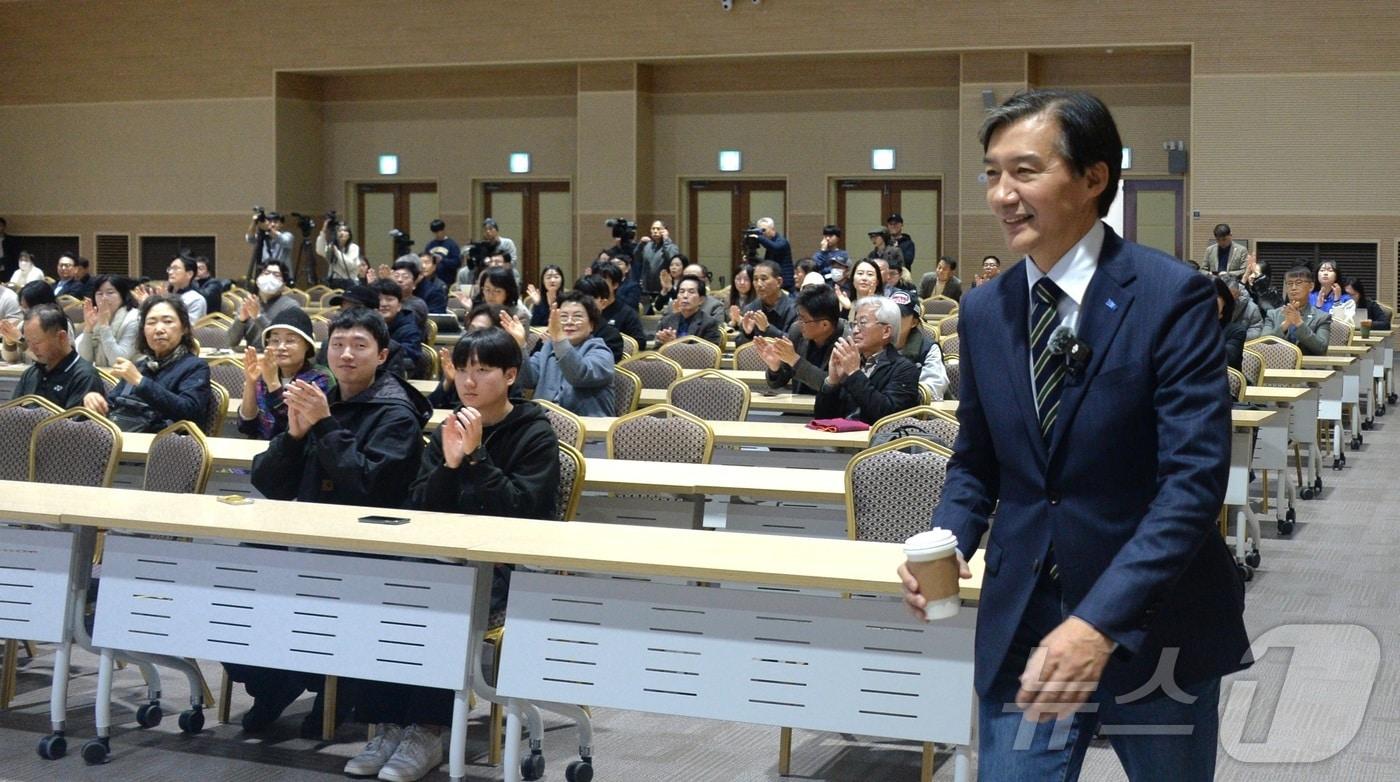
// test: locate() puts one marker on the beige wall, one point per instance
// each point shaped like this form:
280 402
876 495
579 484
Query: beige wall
107 108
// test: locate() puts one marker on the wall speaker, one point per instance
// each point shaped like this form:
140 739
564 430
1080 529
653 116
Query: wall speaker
1176 161
989 100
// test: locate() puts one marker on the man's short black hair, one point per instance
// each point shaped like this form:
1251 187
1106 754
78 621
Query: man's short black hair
593 286
281 266
1221 231
831 230
35 293
595 316
492 311
437 225
773 268
388 288
362 318
950 261
986 258
50 317
699 283
608 271
820 302
82 262
1088 134
491 347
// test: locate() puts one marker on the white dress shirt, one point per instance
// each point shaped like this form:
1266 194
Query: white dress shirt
1072 273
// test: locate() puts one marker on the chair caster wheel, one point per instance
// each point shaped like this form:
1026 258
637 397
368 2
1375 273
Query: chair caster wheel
532 767
1356 443
1366 425
579 771
149 715
96 751
1246 572
1285 526
192 721
1393 398
1344 460
1336 464
53 747
1317 484
1252 559
1306 493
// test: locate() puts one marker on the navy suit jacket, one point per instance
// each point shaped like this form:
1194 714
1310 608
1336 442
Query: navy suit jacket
1130 485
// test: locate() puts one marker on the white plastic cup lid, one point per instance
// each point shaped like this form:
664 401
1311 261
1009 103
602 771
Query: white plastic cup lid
930 544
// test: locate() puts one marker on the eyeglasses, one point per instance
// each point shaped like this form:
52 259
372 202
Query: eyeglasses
279 342
865 323
572 318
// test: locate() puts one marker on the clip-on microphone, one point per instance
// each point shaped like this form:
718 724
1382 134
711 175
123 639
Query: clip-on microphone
1075 351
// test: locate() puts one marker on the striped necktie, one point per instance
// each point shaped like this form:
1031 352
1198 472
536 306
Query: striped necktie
1048 369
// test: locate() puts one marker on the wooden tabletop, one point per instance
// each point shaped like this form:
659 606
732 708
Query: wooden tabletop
783 402
1347 350
693 554
1314 362
1275 393
772 434
1299 375
1251 419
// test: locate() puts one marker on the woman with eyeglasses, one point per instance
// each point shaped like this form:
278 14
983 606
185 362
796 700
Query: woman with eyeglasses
289 355
572 368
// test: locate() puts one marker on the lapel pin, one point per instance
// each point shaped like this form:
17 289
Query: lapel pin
1111 304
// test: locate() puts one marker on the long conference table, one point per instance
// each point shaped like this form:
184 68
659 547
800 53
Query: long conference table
782 657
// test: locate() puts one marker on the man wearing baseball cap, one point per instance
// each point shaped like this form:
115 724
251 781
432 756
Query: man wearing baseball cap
898 238
916 345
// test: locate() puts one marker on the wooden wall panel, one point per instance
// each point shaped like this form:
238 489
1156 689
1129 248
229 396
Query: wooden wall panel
450 83
1120 67
819 74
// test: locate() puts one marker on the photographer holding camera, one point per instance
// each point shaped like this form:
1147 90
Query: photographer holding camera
335 244
265 233
657 250
775 248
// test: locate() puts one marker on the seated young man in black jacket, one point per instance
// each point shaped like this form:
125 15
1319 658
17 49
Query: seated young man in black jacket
494 456
403 325
866 377
358 445
615 312
801 357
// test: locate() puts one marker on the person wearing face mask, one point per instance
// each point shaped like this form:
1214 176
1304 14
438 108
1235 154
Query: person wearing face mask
840 268
255 314
166 382
27 271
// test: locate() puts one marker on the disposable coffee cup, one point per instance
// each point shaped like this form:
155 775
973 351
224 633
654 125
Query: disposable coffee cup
1365 328
932 559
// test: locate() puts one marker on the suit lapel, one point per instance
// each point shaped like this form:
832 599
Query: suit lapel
1016 318
1105 305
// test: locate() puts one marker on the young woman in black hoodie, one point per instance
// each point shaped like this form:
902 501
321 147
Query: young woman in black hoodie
494 456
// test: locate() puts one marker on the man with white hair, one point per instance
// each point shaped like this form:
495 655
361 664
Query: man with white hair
775 248
867 379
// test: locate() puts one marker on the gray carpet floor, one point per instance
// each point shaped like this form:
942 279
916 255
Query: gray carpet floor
1337 578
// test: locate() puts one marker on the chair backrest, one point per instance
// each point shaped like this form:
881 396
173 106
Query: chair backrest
627 390
661 433
109 381
1237 384
692 353
572 467
300 297
711 395
316 292
929 330
228 302
655 370
75 313
949 343
920 421
226 371
213 421
320 328
179 460
948 325
432 361
746 358
1277 353
629 346
892 489
75 448
1339 333
568 427
325 300
1252 367
432 331
211 335
532 338
18 419
939 305
952 365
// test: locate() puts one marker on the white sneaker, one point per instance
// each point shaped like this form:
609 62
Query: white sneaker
376 753
419 752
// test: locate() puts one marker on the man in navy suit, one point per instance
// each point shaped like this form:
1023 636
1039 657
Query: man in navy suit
1094 409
